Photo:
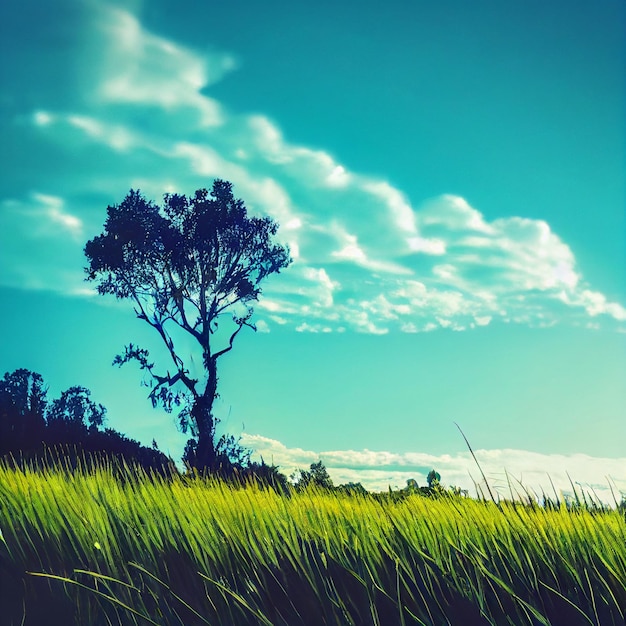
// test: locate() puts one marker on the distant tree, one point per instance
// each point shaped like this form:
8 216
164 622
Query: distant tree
76 407
33 428
265 475
433 480
412 486
184 266
72 417
352 489
433 489
317 475
114 444
22 410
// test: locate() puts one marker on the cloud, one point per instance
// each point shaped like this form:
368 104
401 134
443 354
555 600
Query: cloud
42 118
453 213
42 216
399 208
516 472
117 137
52 209
366 256
594 303
148 70
41 243
315 168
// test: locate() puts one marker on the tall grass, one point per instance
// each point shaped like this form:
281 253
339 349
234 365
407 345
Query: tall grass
109 545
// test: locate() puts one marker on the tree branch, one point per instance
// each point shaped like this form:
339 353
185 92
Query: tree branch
241 321
157 323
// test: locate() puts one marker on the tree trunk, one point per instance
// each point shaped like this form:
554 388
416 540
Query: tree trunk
202 413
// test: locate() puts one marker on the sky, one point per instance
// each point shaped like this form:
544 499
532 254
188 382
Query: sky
449 177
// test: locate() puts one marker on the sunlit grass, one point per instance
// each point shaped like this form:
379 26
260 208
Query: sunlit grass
130 548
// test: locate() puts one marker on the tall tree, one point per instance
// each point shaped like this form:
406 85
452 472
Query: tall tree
184 266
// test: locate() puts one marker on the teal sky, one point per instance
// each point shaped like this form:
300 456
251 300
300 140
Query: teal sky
450 178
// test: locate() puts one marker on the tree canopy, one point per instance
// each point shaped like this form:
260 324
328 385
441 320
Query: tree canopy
36 430
184 266
75 406
22 410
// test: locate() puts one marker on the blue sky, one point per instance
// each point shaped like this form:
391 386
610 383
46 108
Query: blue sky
450 180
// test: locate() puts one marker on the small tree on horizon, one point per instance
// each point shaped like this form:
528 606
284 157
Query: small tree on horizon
185 266
317 475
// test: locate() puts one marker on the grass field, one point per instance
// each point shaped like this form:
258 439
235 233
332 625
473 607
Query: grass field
98 547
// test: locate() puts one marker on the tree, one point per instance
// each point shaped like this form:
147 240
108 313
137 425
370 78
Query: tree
352 489
76 406
433 480
185 266
73 415
72 424
22 410
317 475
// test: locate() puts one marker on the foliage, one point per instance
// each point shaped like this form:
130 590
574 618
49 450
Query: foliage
433 489
22 409
263 476
230 457
433 479
33 429
352 489
75 406
149 550
185 266
316 476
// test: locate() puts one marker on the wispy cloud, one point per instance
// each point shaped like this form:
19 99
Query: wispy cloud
42 216
41 243
52 209
366 256
147 70
509 472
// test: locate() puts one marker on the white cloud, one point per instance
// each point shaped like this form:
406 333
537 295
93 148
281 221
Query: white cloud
42 118
428 246
595 304
322 291
52 208
44 215
41 244
338 176
453 213
349 249
205 160
314 168
483 321
357 317
365 257
142 68
115 136
398 206
382 308
262 326
516 472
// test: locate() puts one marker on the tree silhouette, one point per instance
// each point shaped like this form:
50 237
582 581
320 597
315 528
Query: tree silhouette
185 266
73 416
44 432
75 406
22 410
317 475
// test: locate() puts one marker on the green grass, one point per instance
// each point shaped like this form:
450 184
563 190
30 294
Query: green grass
100 546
